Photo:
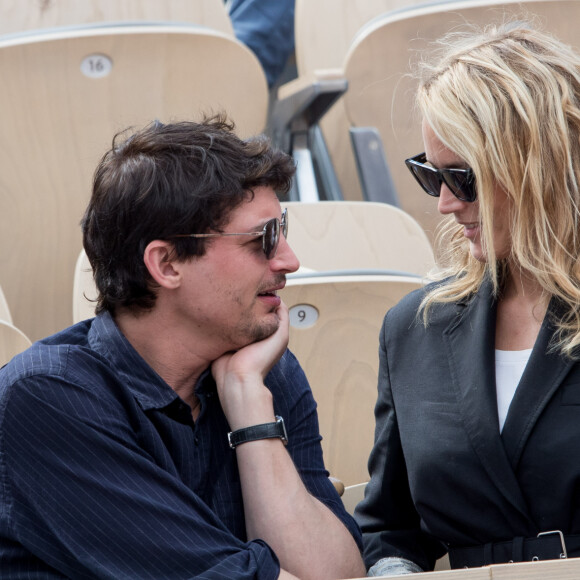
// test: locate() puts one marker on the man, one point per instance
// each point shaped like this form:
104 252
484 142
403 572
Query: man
128 443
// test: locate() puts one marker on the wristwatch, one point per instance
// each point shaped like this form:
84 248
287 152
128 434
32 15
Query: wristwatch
255 432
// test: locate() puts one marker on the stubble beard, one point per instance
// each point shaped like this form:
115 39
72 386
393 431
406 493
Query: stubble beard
262 330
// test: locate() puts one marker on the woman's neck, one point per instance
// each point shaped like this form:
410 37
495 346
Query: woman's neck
521 308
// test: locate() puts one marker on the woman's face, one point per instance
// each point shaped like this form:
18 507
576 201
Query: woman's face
466 213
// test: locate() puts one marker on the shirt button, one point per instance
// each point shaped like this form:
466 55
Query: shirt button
196 440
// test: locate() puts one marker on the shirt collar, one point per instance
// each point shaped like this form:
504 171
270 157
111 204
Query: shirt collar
150 390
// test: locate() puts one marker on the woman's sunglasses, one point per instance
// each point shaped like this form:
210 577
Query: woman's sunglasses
270 234
461 182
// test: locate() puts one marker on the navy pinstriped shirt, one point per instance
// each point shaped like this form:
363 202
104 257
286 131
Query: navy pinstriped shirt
103 473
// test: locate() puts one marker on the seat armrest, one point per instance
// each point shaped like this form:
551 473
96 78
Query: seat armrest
301 103
373 170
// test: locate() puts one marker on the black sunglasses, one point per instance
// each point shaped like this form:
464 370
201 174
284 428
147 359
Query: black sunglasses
461 182
270 234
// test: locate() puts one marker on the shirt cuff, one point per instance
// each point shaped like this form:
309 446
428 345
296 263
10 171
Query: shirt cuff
393 567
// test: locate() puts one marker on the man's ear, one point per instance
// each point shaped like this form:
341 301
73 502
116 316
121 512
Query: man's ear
160 263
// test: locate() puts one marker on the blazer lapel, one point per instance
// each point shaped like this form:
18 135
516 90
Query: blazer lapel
470 344
542 376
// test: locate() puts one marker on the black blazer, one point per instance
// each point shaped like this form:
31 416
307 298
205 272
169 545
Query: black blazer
441 474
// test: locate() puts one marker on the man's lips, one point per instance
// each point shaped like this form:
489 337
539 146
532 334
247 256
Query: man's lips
270 298
273 291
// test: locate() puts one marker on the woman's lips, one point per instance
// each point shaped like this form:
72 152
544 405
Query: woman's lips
470 230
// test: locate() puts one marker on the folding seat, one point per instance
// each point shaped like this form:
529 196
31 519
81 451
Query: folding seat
357 236
381 90
66 92
84 295
12 342
309 119
4 309
23 15
334 333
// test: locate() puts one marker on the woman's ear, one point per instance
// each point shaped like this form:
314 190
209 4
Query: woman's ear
160 263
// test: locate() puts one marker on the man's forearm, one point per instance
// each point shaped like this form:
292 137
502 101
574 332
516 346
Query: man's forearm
309 540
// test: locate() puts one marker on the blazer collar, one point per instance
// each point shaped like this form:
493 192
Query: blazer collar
542 376
470 343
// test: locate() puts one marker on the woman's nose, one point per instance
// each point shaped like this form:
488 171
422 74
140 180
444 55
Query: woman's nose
447 202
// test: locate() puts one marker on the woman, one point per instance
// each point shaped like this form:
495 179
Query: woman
478 415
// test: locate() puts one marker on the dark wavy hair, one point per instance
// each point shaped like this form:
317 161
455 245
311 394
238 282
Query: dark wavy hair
168 179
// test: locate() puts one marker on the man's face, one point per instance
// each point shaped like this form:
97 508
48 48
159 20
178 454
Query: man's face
229 294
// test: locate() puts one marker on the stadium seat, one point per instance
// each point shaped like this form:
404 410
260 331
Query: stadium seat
22 15
352 495
356 235
12 342
4 309
66 93
324 30
381 90
334 333
84 291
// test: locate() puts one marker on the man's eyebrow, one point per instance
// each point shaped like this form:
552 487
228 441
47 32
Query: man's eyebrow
251 229
261 226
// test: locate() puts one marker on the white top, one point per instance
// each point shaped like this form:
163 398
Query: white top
509 367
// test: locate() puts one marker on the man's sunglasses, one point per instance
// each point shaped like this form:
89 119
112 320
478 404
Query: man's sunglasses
270 234
461 182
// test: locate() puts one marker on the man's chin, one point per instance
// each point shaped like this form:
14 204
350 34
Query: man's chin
266 329
259 329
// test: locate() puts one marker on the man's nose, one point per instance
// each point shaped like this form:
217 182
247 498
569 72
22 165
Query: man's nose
285 258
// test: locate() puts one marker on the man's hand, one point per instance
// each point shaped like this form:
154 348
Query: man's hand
309 540
240 377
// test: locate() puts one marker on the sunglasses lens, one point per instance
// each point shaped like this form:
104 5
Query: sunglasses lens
271 238
461 182
284 223
462 186
428 179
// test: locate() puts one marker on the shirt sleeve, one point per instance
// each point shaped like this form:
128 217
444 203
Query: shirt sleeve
293 400
389 521
97 505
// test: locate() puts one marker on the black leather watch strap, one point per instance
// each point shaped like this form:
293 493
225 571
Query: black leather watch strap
255 432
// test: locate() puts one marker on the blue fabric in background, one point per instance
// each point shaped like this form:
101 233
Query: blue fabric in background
267 27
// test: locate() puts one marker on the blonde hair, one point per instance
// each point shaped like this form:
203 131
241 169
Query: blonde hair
507 101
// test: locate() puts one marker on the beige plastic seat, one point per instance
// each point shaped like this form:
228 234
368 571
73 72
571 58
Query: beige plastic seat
4 309
66 93
334 333
23 15
356 235
12 342
381 92
84 290
353 495
324 30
